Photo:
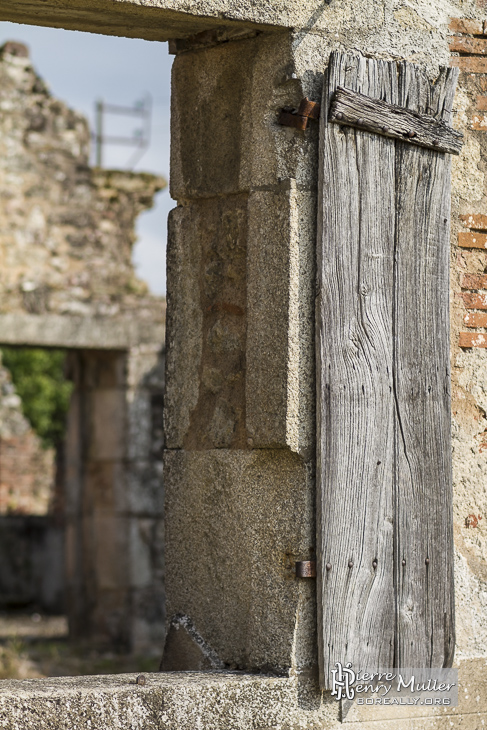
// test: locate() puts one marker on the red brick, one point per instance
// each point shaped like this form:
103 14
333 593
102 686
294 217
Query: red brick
479 123
472 339
474 301
479 222
475 46
471 64
472 240
464 25
476 319
473 281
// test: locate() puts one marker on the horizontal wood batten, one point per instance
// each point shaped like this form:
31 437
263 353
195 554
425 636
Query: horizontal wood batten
475 46
353 109
474 301
477 221
465 25
472 64
476 319
473 281
472 339
472 240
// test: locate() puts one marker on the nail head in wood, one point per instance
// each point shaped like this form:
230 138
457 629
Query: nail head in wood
350 563
305 569
374 564
328 566
403 562
427 561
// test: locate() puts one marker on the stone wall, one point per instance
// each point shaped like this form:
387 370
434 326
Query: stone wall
469 353
66 229
240 491
241 252
27 470
114 499
67 280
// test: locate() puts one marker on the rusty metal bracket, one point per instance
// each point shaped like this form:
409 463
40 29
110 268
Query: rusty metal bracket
298 118
306 569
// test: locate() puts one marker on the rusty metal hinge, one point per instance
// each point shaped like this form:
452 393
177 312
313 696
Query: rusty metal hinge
306 569
298 118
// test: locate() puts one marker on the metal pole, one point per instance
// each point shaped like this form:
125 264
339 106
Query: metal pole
99 131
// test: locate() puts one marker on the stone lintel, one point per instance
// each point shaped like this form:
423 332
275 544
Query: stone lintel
54 330
160 21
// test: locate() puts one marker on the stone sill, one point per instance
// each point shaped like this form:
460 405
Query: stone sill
214 701
172 700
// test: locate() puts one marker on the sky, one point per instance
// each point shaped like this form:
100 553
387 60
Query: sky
80 68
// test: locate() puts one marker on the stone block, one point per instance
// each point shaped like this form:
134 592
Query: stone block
209 107
148 619
104 486
143 492
145 367
103 370
236 522
108 420
139 424
280 389
110 551
146 552
236 91
184 325
110 620
205 389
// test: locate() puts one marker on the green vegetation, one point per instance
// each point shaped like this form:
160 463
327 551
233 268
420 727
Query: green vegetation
38 376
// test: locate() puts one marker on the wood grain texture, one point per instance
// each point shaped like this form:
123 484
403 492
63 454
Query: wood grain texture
375 115
383 413
423 505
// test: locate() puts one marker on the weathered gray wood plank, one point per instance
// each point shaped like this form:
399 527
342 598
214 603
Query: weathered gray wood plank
383 383
390 120
423 522
355 384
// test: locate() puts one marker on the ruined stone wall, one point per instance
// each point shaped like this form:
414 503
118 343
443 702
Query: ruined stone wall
67 279
27 470
66 229
114 499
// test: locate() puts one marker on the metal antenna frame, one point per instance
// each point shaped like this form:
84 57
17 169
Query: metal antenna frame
143 110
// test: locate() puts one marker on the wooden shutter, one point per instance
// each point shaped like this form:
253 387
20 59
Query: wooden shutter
385 553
